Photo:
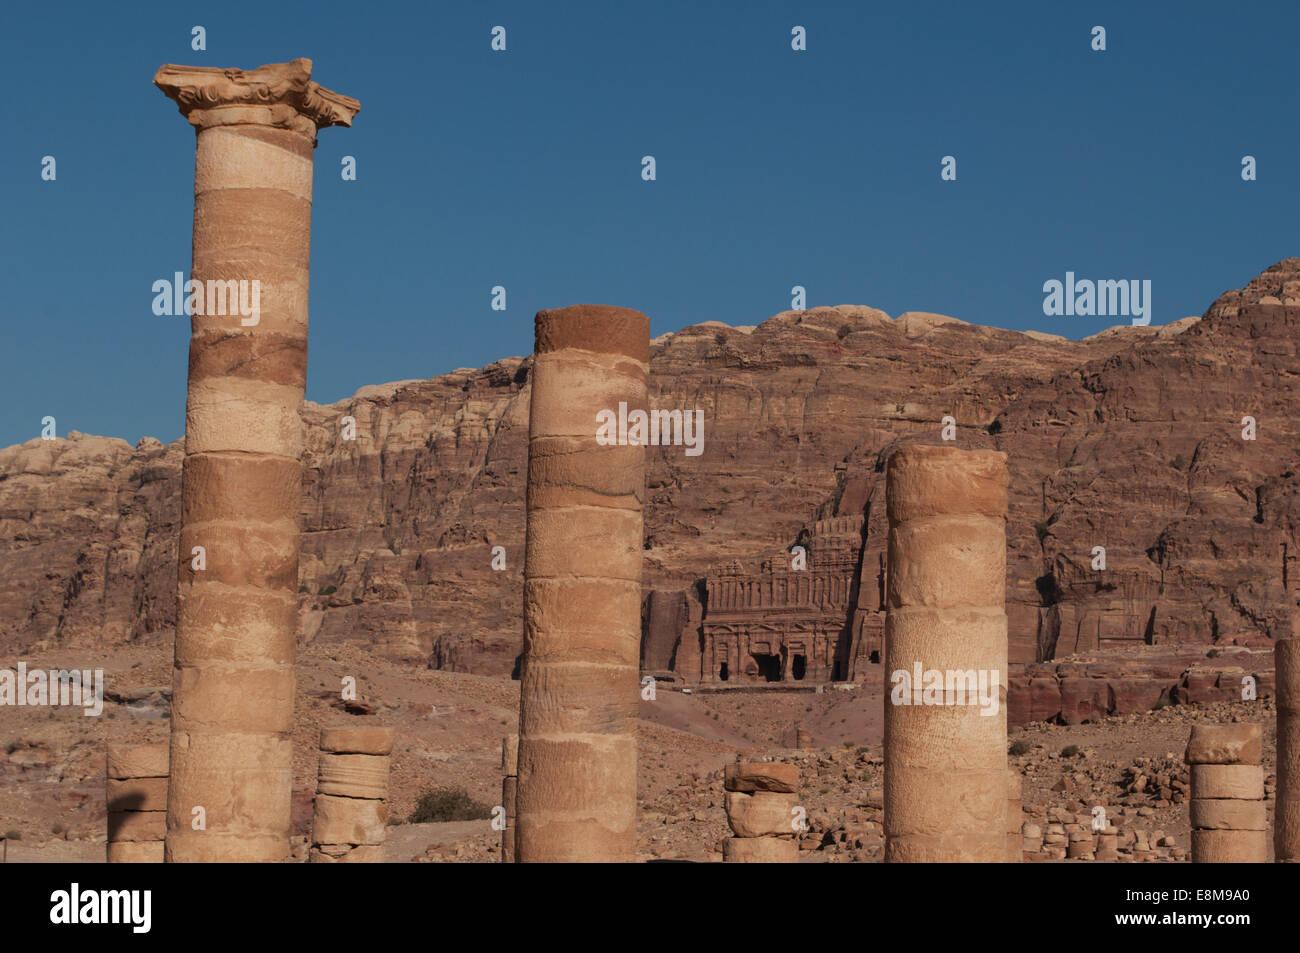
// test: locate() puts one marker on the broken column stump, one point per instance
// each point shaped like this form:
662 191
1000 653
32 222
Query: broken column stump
1229 817
509 783
351 809
761 797
136 793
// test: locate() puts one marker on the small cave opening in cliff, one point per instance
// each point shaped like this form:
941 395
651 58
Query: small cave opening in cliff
769 666
798 666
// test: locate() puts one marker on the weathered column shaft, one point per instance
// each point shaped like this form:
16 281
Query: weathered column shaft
233 683
1228 814
579 692
136 794
1286 811
946 657
351 808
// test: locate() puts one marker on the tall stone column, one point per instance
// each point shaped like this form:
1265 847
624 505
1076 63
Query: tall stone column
579 690
1286 812
237 604
945 750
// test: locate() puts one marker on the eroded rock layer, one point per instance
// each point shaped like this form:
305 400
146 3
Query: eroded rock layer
1130 440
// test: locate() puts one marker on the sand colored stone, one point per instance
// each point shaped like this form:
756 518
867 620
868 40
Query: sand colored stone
233 685
137 825
135 789
136 852
1286 812
760 850
351 810
137 794
357 740
946 784
1225 744
1228 814
761 814
1229 847
751 776
346 854
1241 781
137 761
353 775
1015 815
1227 811
579 682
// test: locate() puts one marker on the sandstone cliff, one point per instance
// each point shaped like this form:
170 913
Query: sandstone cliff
1130 440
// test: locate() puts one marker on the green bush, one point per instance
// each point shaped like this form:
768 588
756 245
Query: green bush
13 835
1069 751
1019 747
448 804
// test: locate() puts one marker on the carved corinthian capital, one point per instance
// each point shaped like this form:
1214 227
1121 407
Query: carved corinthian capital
278 94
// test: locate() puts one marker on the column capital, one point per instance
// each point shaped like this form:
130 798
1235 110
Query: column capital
277 94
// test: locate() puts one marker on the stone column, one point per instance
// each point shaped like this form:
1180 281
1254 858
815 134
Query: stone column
509 788
136 792
1015 815
233 684
760 798
579 688
1229 817
1286 811
945 749
351 808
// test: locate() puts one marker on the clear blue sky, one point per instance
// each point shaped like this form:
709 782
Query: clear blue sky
775 168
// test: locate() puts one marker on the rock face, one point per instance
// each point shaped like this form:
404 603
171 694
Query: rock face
1129 440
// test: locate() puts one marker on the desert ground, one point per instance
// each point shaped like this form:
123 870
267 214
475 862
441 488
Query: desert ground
449 729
